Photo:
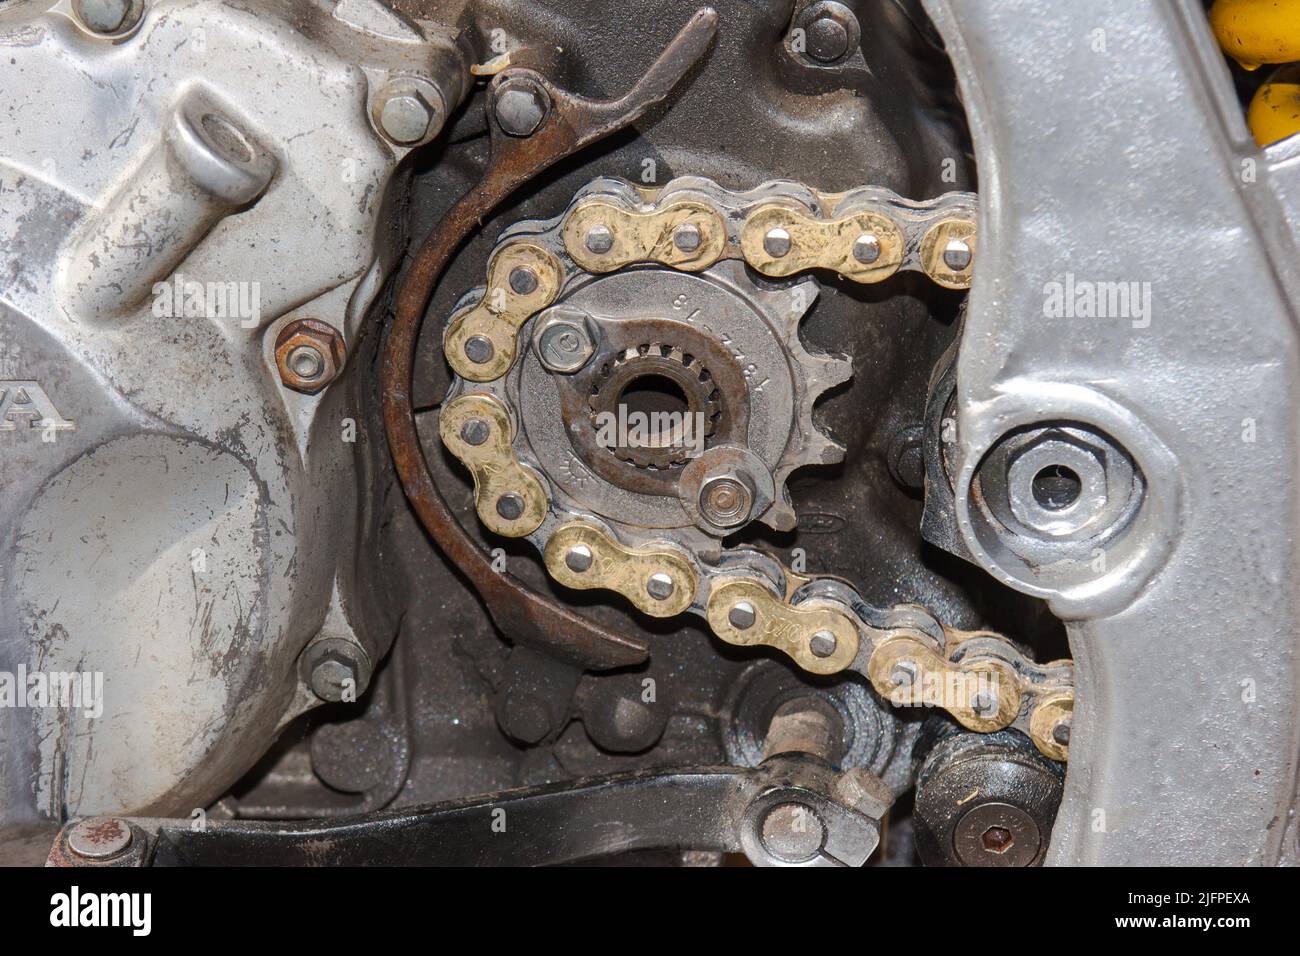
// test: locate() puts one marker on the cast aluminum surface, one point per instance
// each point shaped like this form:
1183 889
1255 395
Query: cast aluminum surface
1110 146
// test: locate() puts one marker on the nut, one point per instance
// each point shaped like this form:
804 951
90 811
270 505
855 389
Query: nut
309 354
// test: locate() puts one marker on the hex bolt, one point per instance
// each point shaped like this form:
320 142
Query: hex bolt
792 832
107 16
727 500
866 249
957 254
599 239
564 347
687 237
523 280
904 673
777 242
742 616
475 431
309 354
479 349
521 107
100 838
405 114
660 586
578 558
822 644
510 506
335 669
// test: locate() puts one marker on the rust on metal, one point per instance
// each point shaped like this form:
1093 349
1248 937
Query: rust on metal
572 123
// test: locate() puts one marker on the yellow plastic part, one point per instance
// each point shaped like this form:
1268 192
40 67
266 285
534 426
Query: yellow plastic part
1274 112
1256 32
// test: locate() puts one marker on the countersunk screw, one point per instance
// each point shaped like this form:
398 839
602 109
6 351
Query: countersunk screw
99 838
578 558
405 114
523 280
957 254
659 586
686 237
822 644
866 249
777 242
521 107
742 616
475 431
107 16
599 239
510 506
479 349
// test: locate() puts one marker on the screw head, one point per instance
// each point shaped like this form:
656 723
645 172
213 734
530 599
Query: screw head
510 506
660 586
957 254
100 838
822 644
866 249
578 558
330 677
687 237
742 616
405 116
726 500
828 40
479 349
107 16
475 431
777 242
521 107
599 239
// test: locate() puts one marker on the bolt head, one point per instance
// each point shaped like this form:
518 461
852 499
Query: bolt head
475 431
828 39
727 500
100 838
904 673
107 16
866 249
599 240
792 832
687 237
510 506
776 242
822 644
1061 733
564 347
330 677
479 349
521 107
957 254
742 616
660 586
578 558
405 116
